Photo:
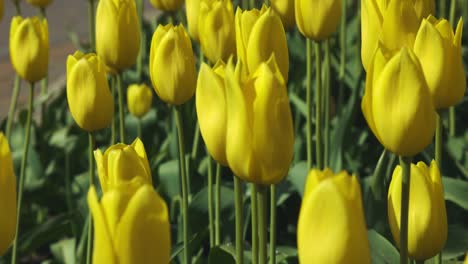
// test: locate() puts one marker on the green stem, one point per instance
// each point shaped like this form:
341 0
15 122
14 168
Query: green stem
24 162
42 12
239 220
196 140
69 194
91 183
121 107
44 85
318 106
184 183
452 121
139 66
420 261
254 215
405 164
252 4
438 158
139 128
245 4
217 205
113 125
262 224
13 102
91 25
342 70
267 2
326 136
443 9
309 102
17 7
273 224
210 202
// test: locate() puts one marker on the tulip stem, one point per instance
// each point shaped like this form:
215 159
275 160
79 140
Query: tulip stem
121 107
210 202
196 139
318 106
309 102
92 25
438 158
68 193
452 122
139 66
139 128
239 220
17 7
245 4
326 136
342 72
273 224
217 204
262 224
24 162
252 4
91 183
184 183
113 125
253 201
14 101
405 163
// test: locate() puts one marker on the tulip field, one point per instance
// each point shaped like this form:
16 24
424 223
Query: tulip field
239 131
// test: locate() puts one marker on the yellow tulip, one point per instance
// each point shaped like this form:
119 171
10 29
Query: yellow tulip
211 110
427 218
285 9
216 29
29 47
317 19
7 196
192 9
167 5
439 50
40 3
331 226
123 165
466 259
259 138
117 33
139 99
256 43
130 227
89 98
172 64
397 103
394 23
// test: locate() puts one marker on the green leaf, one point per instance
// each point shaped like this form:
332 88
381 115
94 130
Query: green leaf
457 242
169 180
456 191
64 250
221 254
297 176
382 251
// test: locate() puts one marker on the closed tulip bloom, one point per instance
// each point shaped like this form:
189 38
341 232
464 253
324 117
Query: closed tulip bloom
29 47
123 165
394 23
167 5
172 64
139 99
317 19
192 9
40 3
285 9
256 42
427 217
89 98
211 109
439 50
7 196
117 33
130 226
259 138
216 29
397 103
331 226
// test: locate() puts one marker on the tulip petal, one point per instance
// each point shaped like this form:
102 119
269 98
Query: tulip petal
8 196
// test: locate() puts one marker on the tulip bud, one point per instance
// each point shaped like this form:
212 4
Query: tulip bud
172 64
216 29
123 165
256 43
117 33
285 9
130 227
192 9
139 99
7 196
317 19
439 50
167 5
424 8
89 99
211 110
40 3
29 47
397 104
331 226
259 138
427 217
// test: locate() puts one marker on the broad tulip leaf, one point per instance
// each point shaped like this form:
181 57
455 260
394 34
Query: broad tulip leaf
382 251
456 191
